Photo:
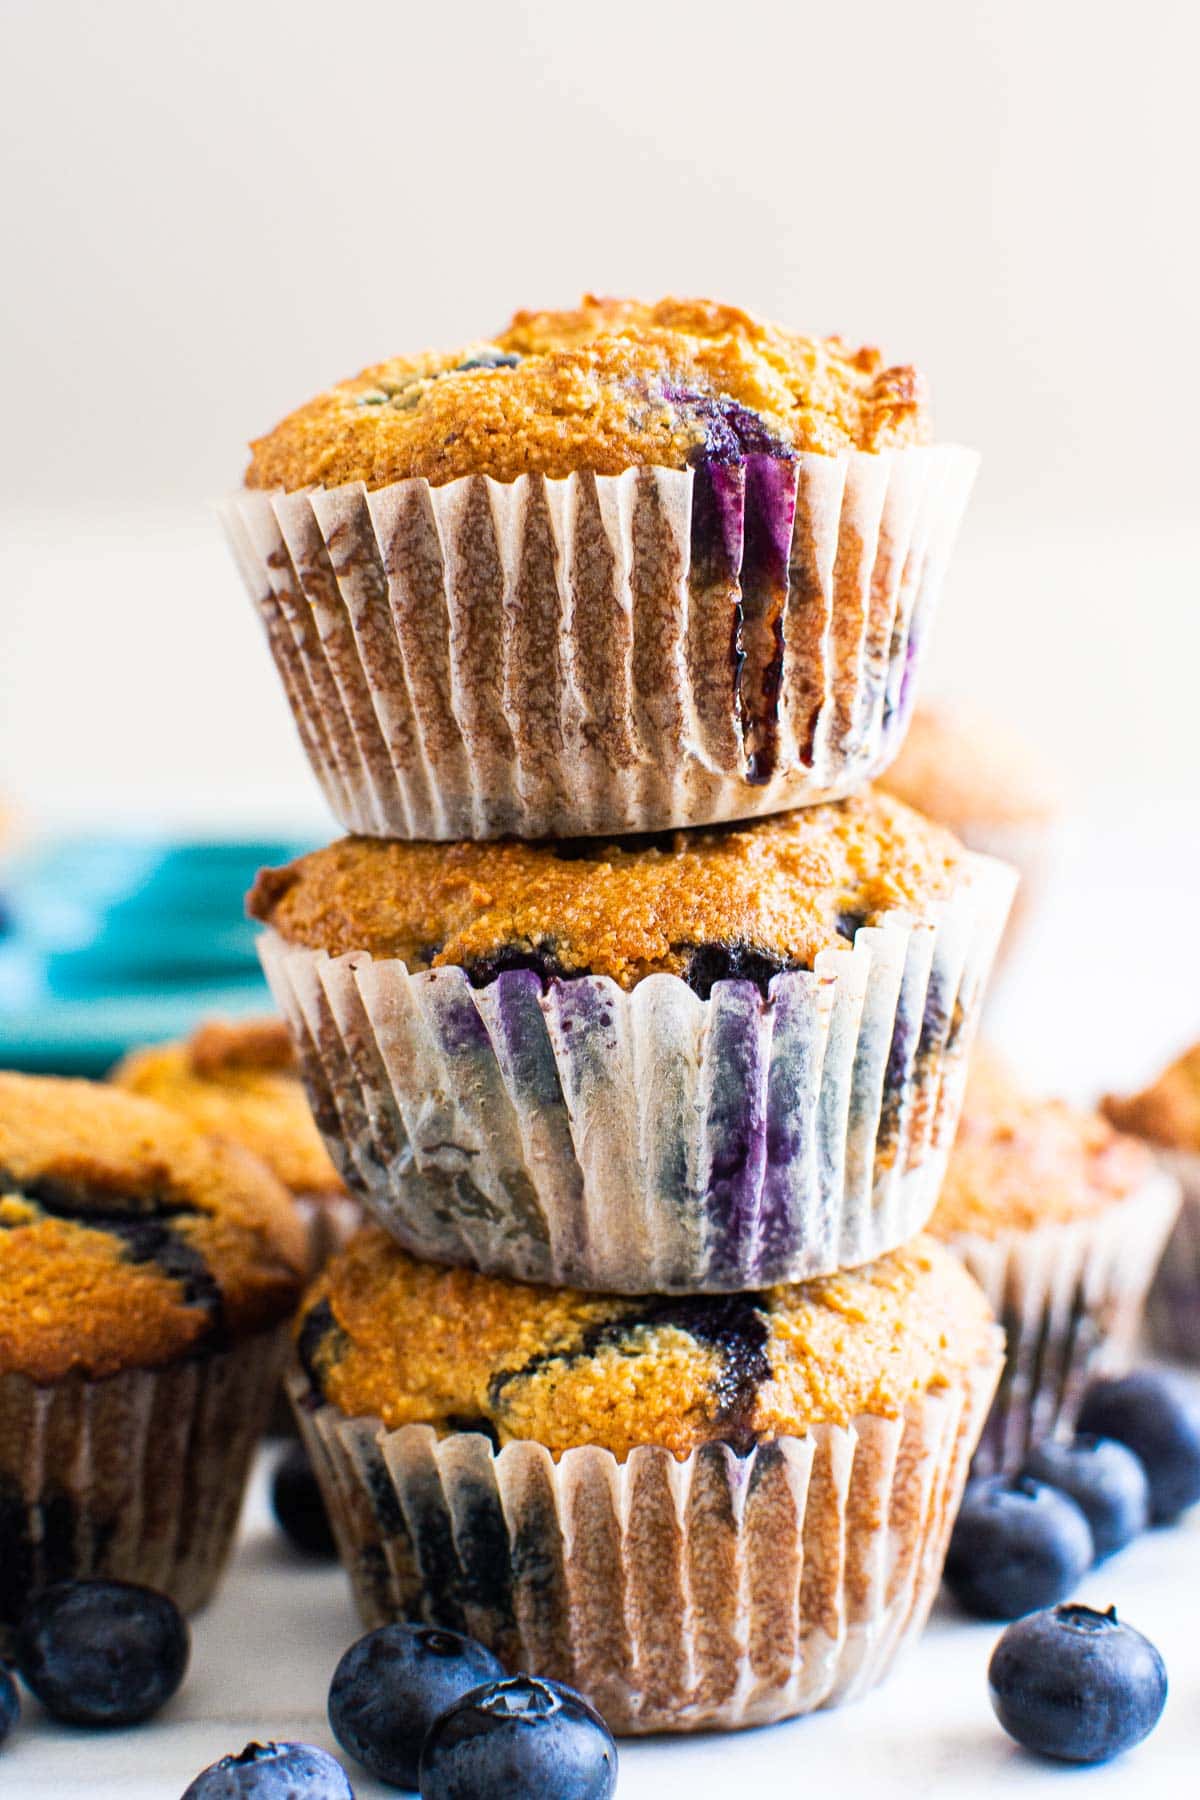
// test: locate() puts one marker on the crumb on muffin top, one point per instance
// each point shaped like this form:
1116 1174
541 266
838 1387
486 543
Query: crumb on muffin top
1020 1162
387 1336
963 769
128 1237
1168 1111
746 900
609 385
240 1081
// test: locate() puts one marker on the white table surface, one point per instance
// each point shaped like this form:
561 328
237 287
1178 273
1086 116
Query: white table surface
264 1652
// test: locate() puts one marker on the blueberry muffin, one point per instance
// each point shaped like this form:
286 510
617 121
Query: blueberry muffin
987 786
241 1082
147 1274
707 1511
1061 1220
699 1061
1167 1116
621 568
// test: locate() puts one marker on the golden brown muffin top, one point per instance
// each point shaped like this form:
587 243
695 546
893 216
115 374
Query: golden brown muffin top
387 1336
962 769
745 900
1019 1162
240 1081
1168 1111
128 1237
610 385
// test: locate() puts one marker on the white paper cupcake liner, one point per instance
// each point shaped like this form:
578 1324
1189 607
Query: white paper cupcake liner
677 1595
1070 1297
650 1141
1173 1308
1029 847
634 652
137 1476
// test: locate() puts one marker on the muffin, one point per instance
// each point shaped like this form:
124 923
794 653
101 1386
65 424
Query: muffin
1061 1220
1167 1116
147 1274
622 568
710 1511
714 1060
241 1082
987 786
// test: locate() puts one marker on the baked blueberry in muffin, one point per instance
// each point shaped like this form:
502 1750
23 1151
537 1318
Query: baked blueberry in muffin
147 1272
642 1495
696 1061
626 566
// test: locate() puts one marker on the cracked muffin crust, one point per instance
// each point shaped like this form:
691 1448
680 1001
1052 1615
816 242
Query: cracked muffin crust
745 901
385 1335
241 1082
129 1239
610 385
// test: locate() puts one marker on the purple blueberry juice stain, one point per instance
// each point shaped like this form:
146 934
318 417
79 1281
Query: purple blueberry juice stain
743 512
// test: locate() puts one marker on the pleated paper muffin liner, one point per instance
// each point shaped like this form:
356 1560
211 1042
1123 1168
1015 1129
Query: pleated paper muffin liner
138 1476
677 1595
1070 1297
650 1141
1173 1308
636 652
330 1221
1029 847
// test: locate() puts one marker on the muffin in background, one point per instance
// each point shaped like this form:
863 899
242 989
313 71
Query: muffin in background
624 567
987 786
1167 1116
700 1512
147 1274
1062 1221
241 1081
704 1061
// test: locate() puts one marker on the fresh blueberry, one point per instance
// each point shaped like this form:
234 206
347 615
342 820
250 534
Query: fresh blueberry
1106 1481
102 1652
519 1740
10 1704
273 1772
391 1685
298 1505
1017 1546
1077 1684
1157 1415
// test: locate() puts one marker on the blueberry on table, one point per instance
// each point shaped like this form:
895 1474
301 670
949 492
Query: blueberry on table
273 1772
1106 1482
102 1653
298 1506
10 1704
1157 1414
1017 1546
1077 1684
521 1739
392 1684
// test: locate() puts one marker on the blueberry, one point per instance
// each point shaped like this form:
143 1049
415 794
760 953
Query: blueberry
519 1740
298 1505
1016 1546
1158 1416
102 1652
10 1704
1106 1482
488 359
273 1772
391 1685
1077 1684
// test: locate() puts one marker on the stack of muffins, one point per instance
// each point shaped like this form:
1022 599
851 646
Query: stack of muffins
635 1017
